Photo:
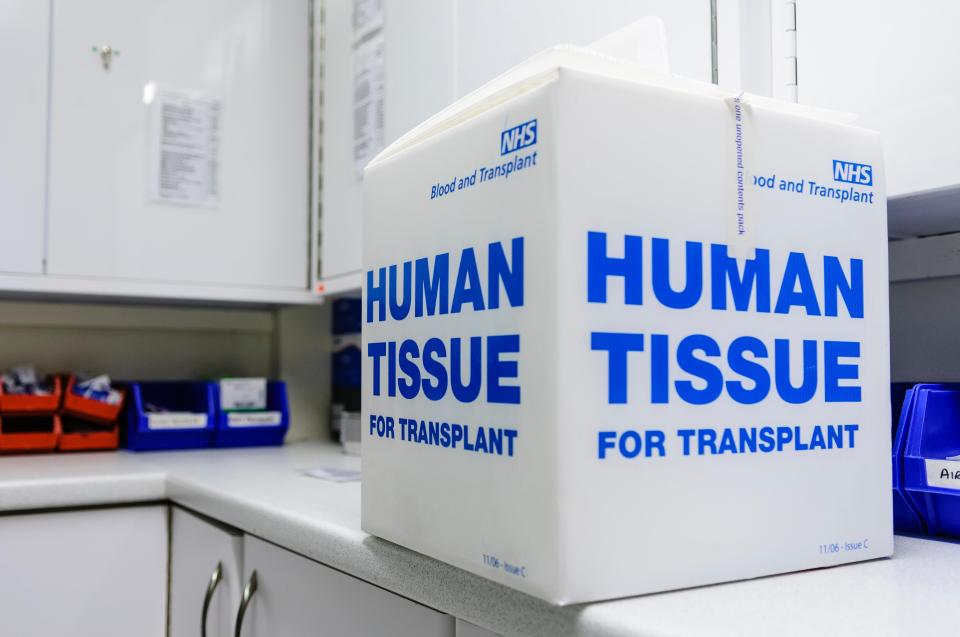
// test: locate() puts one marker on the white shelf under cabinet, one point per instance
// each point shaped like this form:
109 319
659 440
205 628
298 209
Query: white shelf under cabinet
341 284
63 288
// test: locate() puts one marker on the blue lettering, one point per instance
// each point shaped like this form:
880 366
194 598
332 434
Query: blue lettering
600 266
499 369
510 274
806 297
617 345
399 310
749 369
409 351
432 349
377 294
756 276
431 289
376 351
834 371
835 281
467 288
699 368
692 288
469 392
808 387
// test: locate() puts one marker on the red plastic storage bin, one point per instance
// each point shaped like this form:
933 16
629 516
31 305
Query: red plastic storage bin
79 434
88 408
29 432
31 404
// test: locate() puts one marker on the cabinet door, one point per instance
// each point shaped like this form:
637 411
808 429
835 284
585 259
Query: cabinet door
181 155
297 597
24 59
96 572
198 548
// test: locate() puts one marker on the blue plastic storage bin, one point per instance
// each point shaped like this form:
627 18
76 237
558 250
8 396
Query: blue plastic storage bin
189 425
931 431
906 517
253 428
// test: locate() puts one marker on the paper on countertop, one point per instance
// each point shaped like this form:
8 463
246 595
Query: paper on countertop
333 474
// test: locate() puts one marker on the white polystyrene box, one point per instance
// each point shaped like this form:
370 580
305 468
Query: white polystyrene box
575 278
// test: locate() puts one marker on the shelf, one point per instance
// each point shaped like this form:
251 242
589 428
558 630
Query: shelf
59 288
923 214
925 258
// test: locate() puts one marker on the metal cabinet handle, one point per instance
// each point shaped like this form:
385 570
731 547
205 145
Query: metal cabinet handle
215 578
248 592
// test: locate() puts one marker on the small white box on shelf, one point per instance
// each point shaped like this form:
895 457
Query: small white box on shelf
626 332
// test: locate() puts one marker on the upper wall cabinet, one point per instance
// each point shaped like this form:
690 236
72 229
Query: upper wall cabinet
24 59
390 65
178 142
894 63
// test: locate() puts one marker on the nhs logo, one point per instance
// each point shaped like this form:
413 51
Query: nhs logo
518 137
861 174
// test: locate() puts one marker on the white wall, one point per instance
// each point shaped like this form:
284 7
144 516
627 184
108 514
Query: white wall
924 340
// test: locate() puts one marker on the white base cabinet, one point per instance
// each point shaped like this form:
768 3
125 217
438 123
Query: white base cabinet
206 564
297 597
293 596
104 572
96 572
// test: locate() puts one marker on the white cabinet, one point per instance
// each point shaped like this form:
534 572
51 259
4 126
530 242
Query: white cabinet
296 597
434 51
195 97
206 564
894 63
24 59
96 572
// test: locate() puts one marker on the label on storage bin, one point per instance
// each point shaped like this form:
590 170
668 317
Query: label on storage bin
176 420
944 474
253 419
243 393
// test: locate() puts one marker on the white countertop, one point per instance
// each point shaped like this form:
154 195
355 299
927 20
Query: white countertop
263 492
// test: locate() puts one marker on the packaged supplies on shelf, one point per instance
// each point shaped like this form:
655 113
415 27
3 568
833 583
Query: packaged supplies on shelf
93 398
349 430
96 388
23 391
617 339
23 380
